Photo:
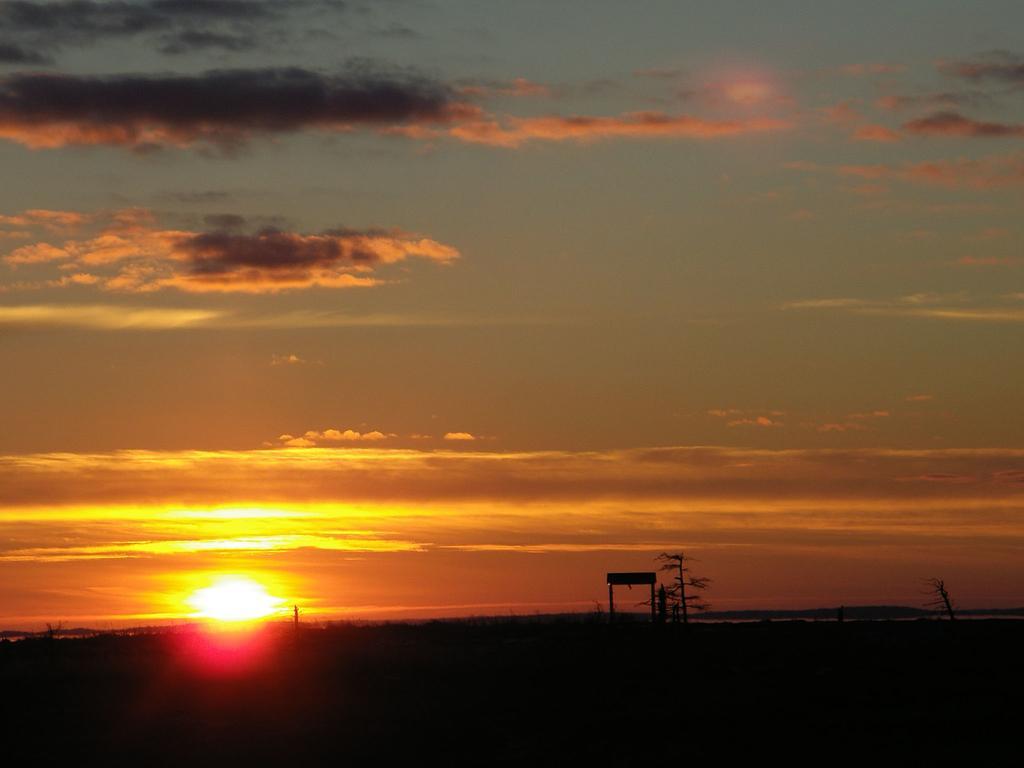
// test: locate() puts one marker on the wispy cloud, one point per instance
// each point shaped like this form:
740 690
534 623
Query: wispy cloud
951 307
516 131
290 359
739 417
997 66
957 125
873 132
235 544
861 69
943 100
519 87
107 317
113 317
756 421
985 173
854 422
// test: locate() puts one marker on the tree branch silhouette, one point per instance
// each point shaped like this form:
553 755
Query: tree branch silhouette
941 601
681 601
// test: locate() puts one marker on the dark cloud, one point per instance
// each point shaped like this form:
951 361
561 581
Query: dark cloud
180 26
130 251
190 40
272 259
74 20
215 9
222 107
13 54
222 252
395 31
998 66
955 124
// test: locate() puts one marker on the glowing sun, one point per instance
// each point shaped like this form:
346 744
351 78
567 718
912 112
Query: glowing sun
234 598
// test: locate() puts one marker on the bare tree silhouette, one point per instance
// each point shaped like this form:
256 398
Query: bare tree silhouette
941 600
682 580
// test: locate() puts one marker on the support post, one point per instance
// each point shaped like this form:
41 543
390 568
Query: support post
653 614
629 579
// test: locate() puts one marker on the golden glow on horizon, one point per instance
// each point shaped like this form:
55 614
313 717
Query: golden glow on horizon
319 528
234 598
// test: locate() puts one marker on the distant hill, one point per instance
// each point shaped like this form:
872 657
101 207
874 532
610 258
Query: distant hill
850 613
854 613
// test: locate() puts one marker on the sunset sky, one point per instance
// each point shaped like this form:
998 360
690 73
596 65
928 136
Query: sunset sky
415 308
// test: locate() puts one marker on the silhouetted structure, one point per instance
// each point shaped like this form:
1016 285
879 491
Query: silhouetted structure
295 612
682 602
628 579
662 604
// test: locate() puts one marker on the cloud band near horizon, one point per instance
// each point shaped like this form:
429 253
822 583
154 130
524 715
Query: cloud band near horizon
691 476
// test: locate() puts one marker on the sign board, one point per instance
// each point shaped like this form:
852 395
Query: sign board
633 577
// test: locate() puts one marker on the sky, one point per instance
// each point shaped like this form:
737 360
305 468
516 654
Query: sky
428 308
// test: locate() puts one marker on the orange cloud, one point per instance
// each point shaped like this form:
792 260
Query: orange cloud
841 427
738 417
633 125
757 421
875 133
723 412
465 436
841 114
54 220
134 254
313 437
348 435
855 422
993 172
296 442
518 87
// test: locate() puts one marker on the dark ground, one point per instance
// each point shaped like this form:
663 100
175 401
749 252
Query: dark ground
506 692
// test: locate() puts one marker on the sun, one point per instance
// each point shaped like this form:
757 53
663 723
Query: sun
234 598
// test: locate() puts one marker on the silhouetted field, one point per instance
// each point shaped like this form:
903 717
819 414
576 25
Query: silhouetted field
511 692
